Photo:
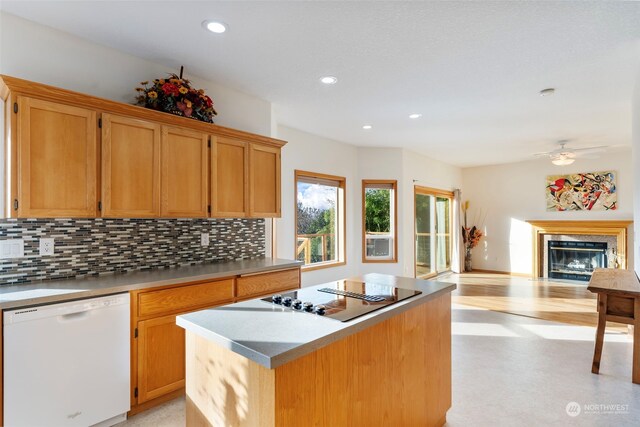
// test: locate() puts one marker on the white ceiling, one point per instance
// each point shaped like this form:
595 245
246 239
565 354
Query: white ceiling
473 69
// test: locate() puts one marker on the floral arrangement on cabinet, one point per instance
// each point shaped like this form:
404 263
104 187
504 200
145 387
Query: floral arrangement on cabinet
470 237
176 96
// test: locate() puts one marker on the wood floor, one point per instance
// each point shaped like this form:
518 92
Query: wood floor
541 299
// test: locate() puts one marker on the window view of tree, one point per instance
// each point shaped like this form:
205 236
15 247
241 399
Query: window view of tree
377 210
379 219
317 206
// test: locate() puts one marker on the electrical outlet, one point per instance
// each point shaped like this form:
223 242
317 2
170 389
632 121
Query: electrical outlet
204 239
46 246
13 248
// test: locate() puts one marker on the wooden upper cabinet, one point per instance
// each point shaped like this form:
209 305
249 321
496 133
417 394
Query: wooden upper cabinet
130 167
142 163
264 181
185 174
57 160
229 177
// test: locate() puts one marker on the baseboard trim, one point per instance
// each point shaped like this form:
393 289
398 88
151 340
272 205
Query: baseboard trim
508 273
136 409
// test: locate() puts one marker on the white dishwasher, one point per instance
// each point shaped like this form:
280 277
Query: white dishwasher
67 364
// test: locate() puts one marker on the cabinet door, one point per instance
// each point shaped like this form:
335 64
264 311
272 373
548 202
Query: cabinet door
229 180
57 160
184 174
130 167
264 181
160 357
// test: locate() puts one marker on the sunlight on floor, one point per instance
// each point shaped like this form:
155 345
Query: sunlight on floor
573 333
481 329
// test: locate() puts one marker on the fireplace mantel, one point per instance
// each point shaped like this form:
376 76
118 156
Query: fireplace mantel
616 228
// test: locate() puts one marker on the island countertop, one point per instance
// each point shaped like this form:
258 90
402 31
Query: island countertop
46 292
272 335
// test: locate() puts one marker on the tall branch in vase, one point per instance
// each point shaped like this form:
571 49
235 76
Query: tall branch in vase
470 237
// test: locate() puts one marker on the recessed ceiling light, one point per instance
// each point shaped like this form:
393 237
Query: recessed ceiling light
415 116
329 80
367 127
215 26
547 92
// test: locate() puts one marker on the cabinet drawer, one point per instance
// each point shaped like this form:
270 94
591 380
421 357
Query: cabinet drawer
261 284
184 298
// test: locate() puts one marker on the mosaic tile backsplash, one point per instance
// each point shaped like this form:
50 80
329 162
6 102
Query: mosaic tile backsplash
87 247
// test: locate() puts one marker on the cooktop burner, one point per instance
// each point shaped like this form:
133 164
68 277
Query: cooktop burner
342 300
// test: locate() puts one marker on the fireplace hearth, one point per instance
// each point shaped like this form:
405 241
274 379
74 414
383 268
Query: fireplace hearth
572 260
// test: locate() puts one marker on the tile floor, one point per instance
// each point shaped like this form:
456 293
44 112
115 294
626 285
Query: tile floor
512 370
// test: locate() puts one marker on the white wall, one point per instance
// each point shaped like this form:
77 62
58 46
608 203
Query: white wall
45 55
507 195
315 154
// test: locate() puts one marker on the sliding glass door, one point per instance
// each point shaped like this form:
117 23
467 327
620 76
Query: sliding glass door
432 231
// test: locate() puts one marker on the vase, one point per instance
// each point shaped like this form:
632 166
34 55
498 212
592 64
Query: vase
467 260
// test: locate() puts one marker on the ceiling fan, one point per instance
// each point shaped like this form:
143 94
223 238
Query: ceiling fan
563 156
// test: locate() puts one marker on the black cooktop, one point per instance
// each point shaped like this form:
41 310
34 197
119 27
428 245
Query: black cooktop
342 300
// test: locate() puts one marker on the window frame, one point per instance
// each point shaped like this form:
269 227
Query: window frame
394 186
341 212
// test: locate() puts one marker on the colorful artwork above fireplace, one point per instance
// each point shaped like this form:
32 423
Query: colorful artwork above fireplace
592 191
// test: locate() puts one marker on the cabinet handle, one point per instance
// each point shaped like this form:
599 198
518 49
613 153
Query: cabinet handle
15 204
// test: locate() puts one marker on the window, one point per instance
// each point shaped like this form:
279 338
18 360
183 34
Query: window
432 231
320 206
379 211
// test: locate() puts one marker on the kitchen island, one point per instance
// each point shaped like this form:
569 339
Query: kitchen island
256 363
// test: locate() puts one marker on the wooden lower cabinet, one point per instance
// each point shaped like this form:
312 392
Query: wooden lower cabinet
160 357
255 285
158 344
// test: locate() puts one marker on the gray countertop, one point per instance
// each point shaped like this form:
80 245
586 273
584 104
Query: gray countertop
272 335
46 292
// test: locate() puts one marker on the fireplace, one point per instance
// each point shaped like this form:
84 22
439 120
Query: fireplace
575 260
614 233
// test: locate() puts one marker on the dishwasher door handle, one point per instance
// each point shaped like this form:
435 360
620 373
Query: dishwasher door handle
71 317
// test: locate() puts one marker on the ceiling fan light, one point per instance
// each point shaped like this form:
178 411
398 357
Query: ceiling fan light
562 161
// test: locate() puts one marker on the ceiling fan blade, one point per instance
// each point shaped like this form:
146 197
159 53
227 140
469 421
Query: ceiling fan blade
548 153
589 156
587 150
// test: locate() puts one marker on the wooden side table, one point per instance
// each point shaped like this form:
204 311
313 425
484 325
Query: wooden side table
618 301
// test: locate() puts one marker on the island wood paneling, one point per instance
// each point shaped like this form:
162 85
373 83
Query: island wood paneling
229 389
397 372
